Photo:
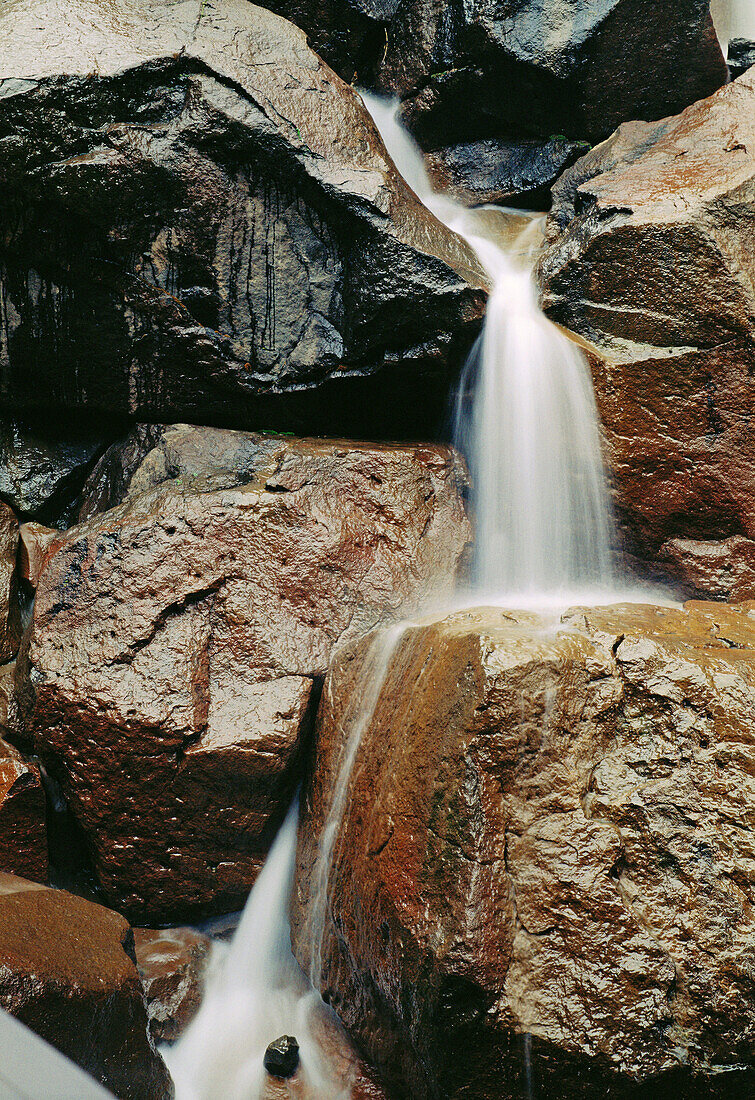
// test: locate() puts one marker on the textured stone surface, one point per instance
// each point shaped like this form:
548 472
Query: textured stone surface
179 640
23 837
201 222
67 971
549 834
36 542
651 261
509 173
10 610
171 963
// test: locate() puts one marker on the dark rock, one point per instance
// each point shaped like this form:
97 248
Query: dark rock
282 1057
178 642
539 67
10 607
741 56
509 173
43 465
651 263
171 964
201 222
547 840
23 837
67 971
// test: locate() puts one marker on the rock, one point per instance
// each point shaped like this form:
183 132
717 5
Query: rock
213 214
178 643
36 543
546 841
67 971
651 263
171 964
10 607
282 1057
741 56
43 466
23 837
509 173
517 68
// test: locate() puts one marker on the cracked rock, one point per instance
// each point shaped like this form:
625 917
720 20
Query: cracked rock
181 632
547 844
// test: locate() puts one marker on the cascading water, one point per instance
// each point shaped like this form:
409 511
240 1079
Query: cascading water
543 522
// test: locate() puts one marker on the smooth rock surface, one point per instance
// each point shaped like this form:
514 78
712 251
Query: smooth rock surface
179 640
36 543
201 222
548 834
10 608
23 836
651 261
67 971
171 964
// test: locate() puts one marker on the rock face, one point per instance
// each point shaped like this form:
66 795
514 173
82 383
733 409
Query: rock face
171 671
508 173
201 222
10 608
549 836
23 837
171 963
651 261
67 971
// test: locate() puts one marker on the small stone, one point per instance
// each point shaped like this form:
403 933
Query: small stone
282 1057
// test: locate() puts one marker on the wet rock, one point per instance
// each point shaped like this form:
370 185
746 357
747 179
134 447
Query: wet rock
509 173
67 971
10 608
282 1057
549 837
542 67
43 464
23 837
741 56
202 222
171 964
35 543
651 262
179 640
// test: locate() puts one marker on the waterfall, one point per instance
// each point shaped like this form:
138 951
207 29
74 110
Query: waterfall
530 435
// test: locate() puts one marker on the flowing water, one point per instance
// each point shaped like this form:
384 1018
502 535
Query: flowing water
526 420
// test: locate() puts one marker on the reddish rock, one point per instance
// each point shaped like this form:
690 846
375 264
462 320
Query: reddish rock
36 543
10 611
171 963
23 837
546 847
179 639
651 262
67 971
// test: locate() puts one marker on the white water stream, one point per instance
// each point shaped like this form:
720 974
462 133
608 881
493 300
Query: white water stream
543 535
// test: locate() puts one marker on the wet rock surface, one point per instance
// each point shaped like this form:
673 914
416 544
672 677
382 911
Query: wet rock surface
23 836
548 834
173 664
201 222
10 608
651 261
171 964
67 971
282 1057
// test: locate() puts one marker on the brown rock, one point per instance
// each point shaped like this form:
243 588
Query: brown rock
67 971
656 271
214 215
36 543
171 963
10 610
23 837
179 640
547 843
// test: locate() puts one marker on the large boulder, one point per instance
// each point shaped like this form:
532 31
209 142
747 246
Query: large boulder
179 639
545 865
67 971
200 221
651 262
